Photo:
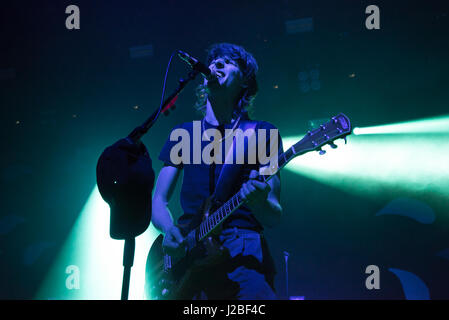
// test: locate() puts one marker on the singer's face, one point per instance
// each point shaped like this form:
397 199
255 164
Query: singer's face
226 76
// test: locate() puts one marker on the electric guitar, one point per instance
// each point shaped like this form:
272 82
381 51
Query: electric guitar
167 277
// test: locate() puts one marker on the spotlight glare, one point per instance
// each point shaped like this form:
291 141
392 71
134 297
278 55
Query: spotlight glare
98 258
369 163
429 125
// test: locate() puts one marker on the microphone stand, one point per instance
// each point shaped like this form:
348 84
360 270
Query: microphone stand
139 131
134 137
128 261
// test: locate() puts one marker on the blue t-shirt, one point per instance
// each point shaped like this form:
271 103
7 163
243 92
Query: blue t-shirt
196 186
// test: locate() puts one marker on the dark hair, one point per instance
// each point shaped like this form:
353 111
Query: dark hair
248 66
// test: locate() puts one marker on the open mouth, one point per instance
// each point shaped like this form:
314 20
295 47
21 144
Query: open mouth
219 74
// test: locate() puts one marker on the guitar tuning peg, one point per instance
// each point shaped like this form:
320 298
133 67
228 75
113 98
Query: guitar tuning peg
345 140
321 151
333 145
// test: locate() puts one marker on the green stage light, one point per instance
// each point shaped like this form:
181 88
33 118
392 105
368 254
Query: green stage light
96 259
430 125
369 163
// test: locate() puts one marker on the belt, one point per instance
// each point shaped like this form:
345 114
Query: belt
241 231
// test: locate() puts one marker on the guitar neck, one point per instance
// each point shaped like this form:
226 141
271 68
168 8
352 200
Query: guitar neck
222 213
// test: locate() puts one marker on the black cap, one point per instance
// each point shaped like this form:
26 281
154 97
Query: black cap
125 179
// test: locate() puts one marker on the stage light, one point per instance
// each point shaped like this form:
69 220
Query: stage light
309 79
369 163
98 258
414 209
413 286
430 125
299 25
303 76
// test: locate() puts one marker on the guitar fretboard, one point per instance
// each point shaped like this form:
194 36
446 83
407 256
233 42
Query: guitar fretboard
213 220
219 216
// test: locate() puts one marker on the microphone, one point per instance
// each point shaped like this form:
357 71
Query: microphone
195 64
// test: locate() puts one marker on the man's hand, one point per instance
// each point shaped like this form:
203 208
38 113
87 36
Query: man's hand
263 199
173 243
254 190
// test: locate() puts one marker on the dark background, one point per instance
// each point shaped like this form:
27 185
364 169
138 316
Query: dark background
73 93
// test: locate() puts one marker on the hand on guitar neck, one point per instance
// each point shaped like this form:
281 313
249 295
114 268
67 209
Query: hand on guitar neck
254 190
262 197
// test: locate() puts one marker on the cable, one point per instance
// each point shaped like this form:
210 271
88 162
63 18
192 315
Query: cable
163 87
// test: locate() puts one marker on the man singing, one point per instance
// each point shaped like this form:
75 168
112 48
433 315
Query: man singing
224 99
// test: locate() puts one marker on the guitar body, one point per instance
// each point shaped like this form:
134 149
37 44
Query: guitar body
157 282
175 281
167 278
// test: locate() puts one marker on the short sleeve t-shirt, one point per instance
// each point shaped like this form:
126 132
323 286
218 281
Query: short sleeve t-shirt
196 185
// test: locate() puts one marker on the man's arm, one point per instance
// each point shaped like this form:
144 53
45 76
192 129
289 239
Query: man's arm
165 185
264 199
161 216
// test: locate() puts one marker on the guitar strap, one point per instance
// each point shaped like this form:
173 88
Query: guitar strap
228 176
230 171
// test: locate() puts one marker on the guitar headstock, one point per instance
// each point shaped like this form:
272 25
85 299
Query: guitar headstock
337 128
